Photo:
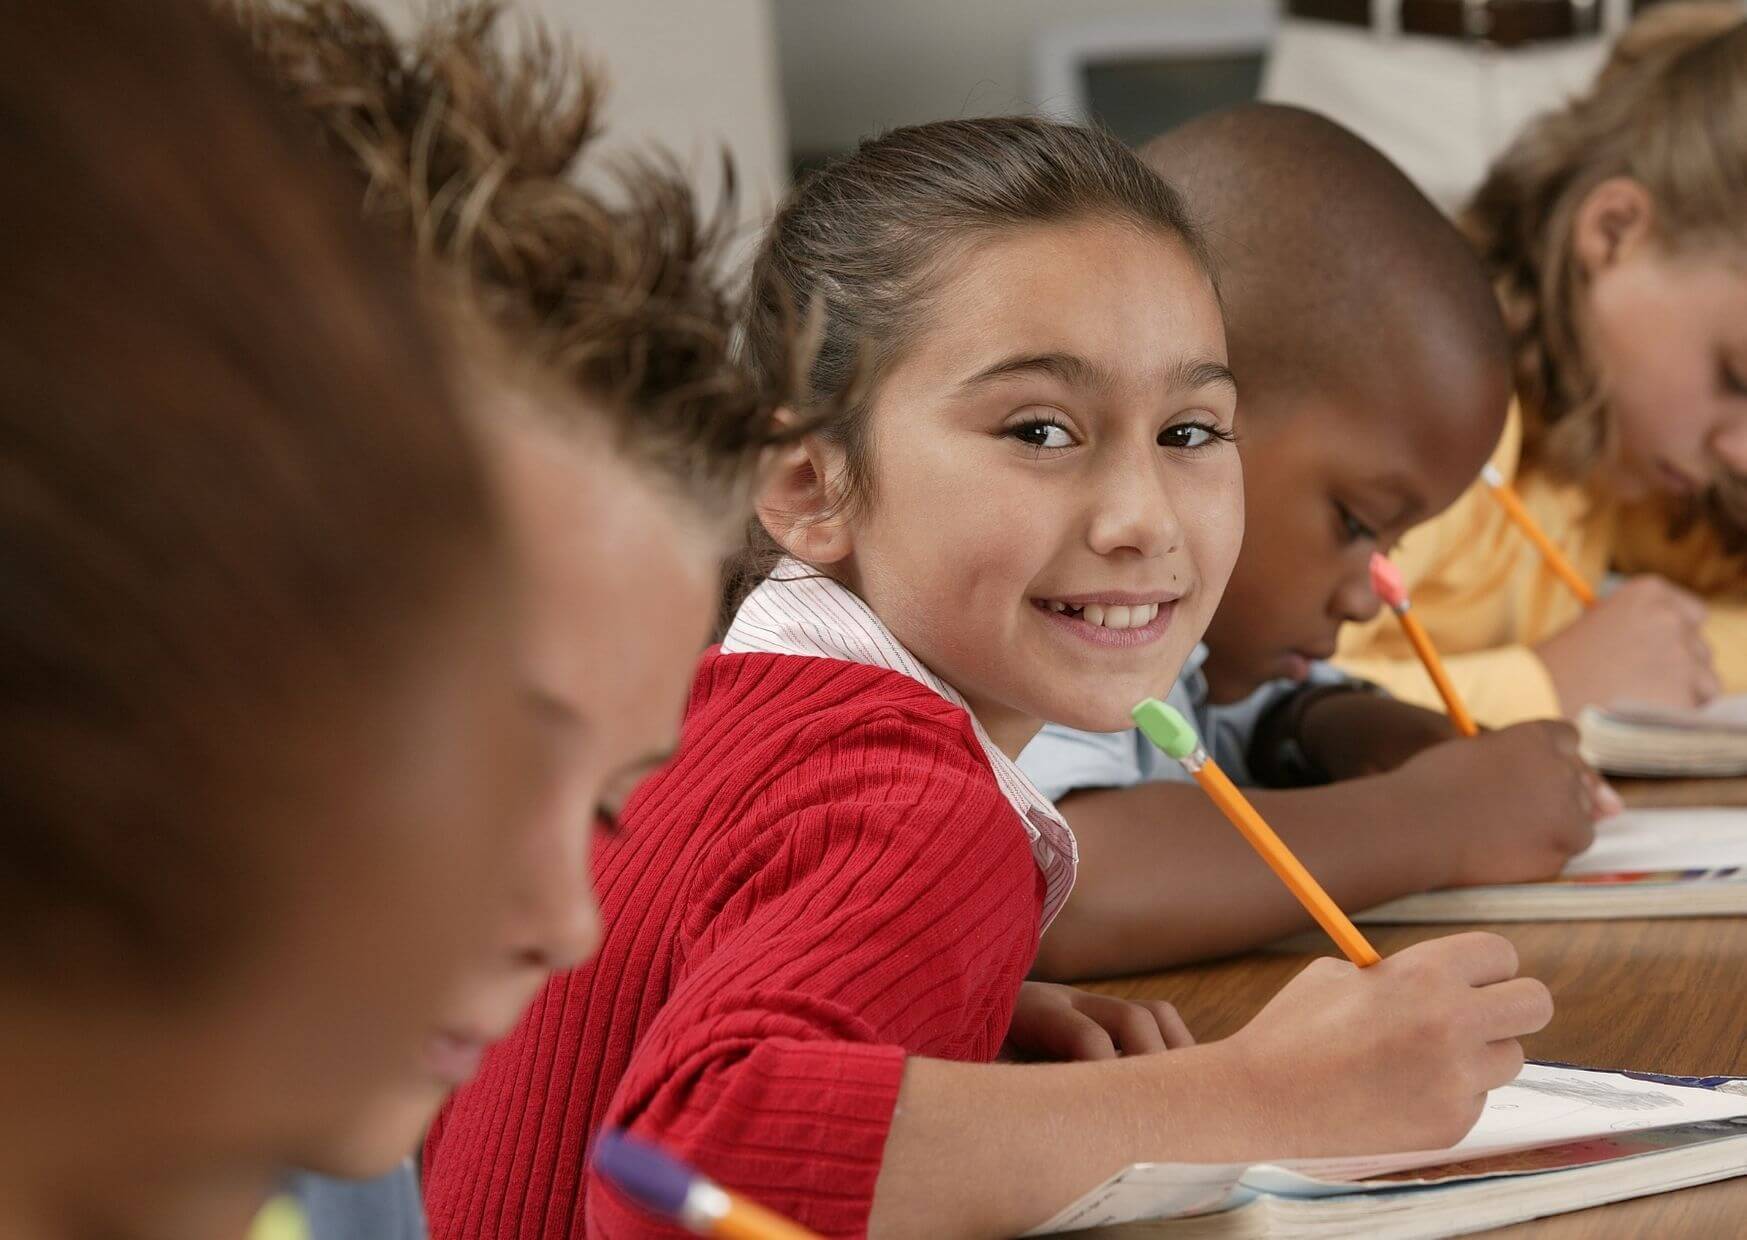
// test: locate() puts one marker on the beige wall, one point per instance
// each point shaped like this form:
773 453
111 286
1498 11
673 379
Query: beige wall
693 75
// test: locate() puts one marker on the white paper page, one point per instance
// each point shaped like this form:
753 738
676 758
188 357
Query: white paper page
1665 839
1150 1190
1549 1106
1543 1106
1725 711
1732 710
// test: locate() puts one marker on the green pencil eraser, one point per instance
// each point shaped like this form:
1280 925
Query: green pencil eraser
1165 727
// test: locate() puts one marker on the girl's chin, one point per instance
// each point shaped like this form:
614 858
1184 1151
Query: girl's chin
1101 716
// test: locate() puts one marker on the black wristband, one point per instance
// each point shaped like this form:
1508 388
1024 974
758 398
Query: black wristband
1277 756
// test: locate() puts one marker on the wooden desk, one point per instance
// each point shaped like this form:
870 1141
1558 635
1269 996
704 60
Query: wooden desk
1662 996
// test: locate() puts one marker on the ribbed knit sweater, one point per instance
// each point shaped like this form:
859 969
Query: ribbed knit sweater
825 880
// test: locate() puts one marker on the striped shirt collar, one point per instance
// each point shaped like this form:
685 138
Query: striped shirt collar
801 612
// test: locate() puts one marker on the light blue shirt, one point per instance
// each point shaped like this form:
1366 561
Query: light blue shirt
386 1208
1063 760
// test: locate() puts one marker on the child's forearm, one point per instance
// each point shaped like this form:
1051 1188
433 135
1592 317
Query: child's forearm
1165 879
991 1150
1398 1056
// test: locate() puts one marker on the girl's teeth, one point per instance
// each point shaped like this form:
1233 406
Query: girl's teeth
1112 616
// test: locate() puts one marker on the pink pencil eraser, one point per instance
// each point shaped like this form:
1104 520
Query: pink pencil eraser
1386 581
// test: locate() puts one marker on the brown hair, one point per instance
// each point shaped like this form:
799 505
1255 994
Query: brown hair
1670 111
857 245
468 150
229 475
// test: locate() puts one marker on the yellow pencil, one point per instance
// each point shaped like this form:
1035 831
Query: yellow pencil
1165 727
1512 503
1386 581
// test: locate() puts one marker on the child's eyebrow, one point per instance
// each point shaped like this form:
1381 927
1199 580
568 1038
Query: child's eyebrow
1191 373
1067 368
1407 501
1076 371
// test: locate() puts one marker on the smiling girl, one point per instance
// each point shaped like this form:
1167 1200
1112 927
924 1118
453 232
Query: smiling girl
821 914
1614 231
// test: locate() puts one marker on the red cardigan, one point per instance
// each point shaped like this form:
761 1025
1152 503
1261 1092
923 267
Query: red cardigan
824 880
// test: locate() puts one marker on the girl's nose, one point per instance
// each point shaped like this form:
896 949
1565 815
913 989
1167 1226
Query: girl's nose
554 922
1135 514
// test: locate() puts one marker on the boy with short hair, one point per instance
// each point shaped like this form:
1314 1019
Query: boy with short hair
1373 374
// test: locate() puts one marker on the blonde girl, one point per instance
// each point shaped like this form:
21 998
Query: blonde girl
1616 230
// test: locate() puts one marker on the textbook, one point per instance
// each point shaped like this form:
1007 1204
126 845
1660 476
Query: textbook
1556 1139
1644 863
1647 741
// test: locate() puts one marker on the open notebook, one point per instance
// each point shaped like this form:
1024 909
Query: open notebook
1644 863
1556 1139
1643 740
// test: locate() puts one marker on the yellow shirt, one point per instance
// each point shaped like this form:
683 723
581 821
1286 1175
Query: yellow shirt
1486 596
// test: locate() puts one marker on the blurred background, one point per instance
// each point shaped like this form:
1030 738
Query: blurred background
1439 85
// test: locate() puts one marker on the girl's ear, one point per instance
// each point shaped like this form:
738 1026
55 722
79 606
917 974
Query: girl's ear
802 502
1613 219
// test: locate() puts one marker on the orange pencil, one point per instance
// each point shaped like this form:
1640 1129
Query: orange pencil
1512 503
1165 727
1386 581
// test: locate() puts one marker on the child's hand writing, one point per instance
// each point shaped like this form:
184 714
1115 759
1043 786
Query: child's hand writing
1065 1023
1644 643
1510 806
1395 1057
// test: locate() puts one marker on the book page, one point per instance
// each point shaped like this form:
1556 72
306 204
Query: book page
1651 741
1665 839
1573 1154
1544 1106
1548 1105
1152 1190
1724 712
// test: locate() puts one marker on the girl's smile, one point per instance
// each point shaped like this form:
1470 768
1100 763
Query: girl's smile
1052 498
1118 620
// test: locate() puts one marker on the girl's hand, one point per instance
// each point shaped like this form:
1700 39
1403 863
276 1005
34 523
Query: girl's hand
1643 643
1398 1056
1064 1023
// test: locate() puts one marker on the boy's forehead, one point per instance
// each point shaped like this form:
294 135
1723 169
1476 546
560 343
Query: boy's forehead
1390 356
1415 444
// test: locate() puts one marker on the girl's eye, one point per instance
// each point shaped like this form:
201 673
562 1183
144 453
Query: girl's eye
606 820
1192 435
1733 383
1041 433
1354 529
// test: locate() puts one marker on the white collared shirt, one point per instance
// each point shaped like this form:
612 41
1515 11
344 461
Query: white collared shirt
1061 760
799 611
